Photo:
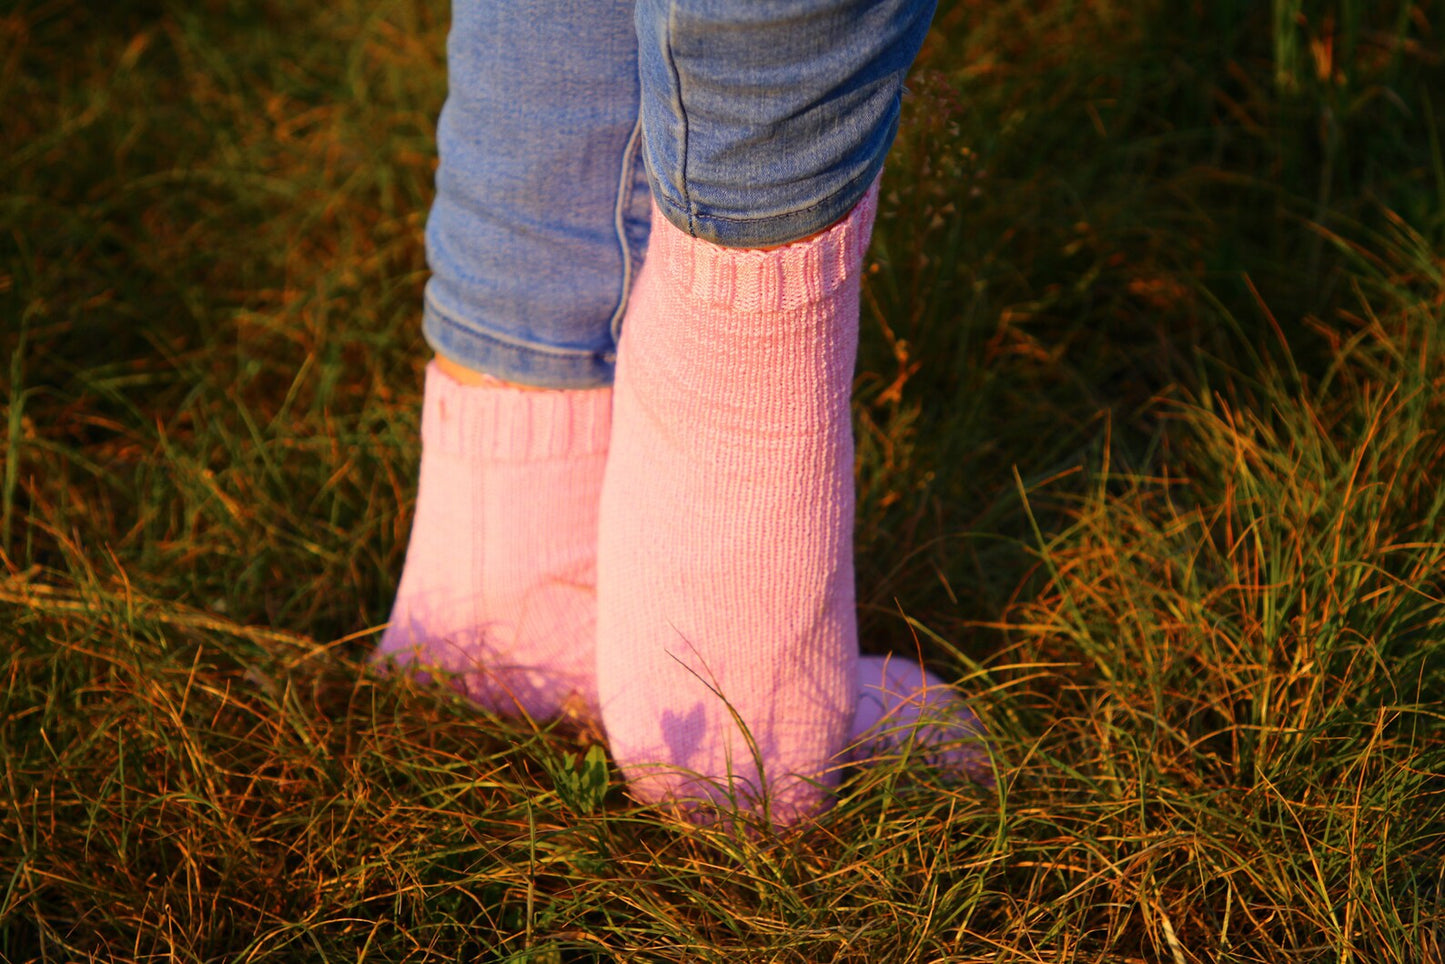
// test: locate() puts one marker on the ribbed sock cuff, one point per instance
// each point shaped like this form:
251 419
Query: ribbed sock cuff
502 423
775 279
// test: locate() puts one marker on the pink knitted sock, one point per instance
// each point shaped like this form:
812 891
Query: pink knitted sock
903 707
499 585
727 637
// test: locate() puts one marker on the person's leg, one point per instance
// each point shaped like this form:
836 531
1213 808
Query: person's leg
767 121
539 223
727 642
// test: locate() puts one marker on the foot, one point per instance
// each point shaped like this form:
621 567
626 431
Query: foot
499 586
727 640
903 708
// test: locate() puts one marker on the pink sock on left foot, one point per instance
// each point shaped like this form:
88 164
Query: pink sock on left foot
499 586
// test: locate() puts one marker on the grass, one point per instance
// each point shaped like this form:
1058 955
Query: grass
1151 462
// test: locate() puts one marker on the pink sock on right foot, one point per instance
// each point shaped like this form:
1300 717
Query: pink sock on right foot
727 638
903 707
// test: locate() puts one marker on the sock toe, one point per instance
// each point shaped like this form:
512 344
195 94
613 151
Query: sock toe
903 706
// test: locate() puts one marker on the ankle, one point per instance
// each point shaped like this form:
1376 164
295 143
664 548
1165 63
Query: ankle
469 376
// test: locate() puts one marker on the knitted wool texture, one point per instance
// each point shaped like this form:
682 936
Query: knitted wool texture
499 586
727 638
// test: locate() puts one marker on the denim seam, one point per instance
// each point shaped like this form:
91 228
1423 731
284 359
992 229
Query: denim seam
681 173
627 176
447 318
866 178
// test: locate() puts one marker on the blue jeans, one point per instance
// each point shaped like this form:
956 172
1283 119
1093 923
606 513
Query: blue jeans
749 123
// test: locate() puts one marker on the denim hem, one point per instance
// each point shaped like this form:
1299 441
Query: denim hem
540 366
772 230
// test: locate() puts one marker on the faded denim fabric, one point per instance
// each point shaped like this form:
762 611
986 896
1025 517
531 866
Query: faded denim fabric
750 122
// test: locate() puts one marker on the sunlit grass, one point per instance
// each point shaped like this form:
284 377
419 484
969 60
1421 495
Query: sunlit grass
1149 414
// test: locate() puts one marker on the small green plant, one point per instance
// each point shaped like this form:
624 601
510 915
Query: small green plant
581 781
